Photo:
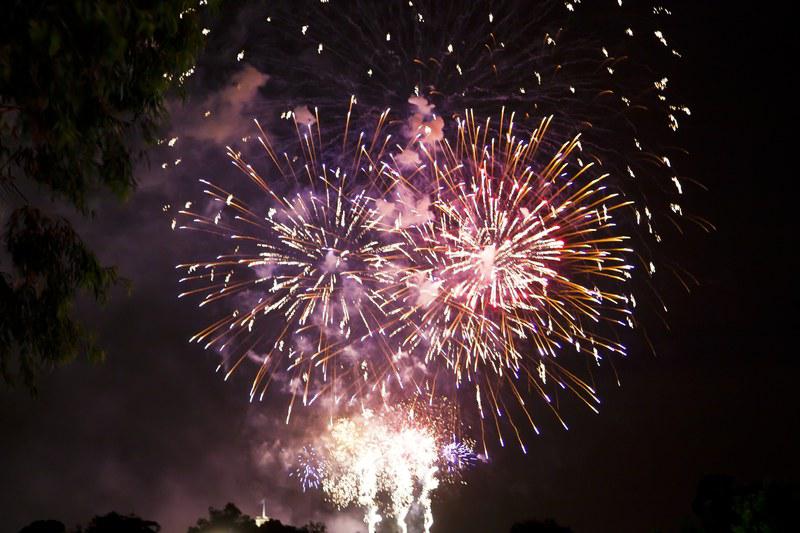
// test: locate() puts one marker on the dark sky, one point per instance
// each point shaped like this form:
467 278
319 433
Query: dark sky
155 431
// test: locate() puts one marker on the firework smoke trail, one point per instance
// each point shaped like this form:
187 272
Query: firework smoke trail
521 260
307 255
385 461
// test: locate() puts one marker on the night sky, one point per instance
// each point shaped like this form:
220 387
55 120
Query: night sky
155 431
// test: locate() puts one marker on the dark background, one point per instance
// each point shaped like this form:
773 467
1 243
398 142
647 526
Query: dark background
154 431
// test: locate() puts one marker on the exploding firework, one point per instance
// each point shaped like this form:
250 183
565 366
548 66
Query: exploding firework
431 254
389 460
301 249
310 470
520 260
486 260
458 255
458 456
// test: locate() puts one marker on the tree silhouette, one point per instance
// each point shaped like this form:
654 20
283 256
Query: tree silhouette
109 523
44 526
81 82
231 520
722 505
226 520
117 523
52 264
535 526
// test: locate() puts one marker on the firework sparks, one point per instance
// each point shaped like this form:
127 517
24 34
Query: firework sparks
310 469
520 260
387 461
496 262
488 262
458 456
307 256
507 259
580 62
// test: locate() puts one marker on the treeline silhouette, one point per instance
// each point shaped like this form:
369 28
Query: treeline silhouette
721 505
229 519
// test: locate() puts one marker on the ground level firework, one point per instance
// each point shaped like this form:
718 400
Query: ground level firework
389 460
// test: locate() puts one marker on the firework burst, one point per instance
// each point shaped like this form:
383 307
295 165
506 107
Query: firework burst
461 255
520 260
509 258
303 251
385 266
310 470
458 456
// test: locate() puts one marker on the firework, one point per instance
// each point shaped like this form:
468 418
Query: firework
519 261
458 456
301 250
487 272
387 461
384 265
310 470
370 457
436 253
